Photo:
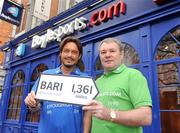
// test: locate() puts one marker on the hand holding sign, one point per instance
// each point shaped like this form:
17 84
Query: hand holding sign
66 89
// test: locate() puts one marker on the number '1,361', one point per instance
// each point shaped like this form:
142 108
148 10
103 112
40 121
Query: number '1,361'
78 88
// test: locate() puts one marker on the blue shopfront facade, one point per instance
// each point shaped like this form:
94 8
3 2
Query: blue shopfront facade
150 31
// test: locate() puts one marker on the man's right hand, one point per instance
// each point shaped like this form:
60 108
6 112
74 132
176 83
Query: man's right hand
30 100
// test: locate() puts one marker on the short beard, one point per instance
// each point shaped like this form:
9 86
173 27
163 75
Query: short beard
69 66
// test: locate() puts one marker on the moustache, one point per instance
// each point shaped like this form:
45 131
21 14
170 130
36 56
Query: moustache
67 58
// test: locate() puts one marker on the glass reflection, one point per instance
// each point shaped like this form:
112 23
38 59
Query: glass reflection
168 81
34 116
168 74
37 71
18 78
130 55
169 46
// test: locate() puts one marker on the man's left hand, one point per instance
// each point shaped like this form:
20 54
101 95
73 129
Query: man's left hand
98 110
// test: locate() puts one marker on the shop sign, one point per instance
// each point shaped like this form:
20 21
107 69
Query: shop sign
66 89
11 12
20 50
42 9
160 1
105 14
78 24
52 35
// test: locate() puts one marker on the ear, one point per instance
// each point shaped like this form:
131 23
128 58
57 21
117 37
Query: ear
80 56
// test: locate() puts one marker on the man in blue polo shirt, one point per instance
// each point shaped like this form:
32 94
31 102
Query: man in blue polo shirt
58 117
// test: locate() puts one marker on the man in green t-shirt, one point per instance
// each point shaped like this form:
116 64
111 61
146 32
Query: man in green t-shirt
124 102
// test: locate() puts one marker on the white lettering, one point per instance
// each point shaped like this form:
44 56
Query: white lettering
57 34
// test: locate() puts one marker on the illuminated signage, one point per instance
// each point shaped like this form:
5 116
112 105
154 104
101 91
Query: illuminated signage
78 24
57 34
11 12
105 14
20 51
159 1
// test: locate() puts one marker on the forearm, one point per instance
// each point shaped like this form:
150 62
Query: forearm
137 117
87 122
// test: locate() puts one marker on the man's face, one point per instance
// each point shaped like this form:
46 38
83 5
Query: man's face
70 55
110 56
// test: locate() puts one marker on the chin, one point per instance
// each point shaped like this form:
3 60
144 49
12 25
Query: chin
109 67
69 65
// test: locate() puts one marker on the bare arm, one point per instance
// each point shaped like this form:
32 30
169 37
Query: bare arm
87 122
135 117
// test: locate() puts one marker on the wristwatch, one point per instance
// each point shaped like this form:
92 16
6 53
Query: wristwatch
113 115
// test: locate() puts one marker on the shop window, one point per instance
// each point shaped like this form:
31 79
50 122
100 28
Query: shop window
169 46
15 101
168 81
99 68
66 4
130 58
80 65
37 71
34 116
168 74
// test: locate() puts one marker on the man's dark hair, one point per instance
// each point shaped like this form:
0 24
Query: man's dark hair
71 39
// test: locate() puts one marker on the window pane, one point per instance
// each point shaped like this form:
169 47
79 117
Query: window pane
15 101
170 122
168 74
18 78
169 46
168 81
37 71
169 98
10 105
130 55
80 65
98 64
34 116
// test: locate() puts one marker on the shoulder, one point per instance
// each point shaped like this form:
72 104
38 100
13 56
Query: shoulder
80 73
135 75
132 71
99 79
50 71
83 74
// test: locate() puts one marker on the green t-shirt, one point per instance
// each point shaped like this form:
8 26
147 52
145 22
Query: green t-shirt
122 89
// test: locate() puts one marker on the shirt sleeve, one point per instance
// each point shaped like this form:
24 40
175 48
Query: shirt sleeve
139 91
34 88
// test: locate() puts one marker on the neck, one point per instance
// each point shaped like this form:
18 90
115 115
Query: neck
108 70
66 70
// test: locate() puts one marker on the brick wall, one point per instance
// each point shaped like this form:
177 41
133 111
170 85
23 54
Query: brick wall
5 36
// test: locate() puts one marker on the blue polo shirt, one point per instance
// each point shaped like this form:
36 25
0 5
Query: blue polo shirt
59 117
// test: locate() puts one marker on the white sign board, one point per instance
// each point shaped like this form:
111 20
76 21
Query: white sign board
66 89
42 9
1 5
